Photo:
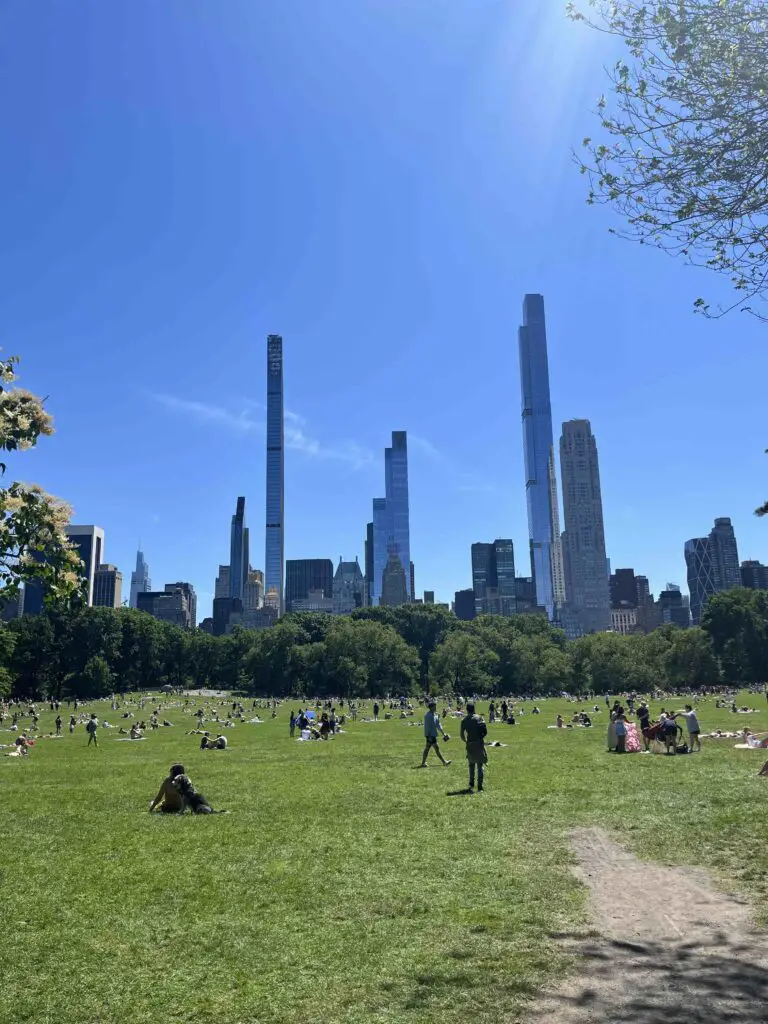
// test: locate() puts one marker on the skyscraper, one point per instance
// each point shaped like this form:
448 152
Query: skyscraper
540 478
380 554
238 551
713 565
140 581
221 587
586 566
348 588
88 541
754 575
368 562
191 598
725 555
274 558
305 574
701 575
107 587
396 480
464 604
493 578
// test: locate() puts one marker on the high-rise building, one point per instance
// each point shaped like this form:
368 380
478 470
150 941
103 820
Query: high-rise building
701 575
348 588
464 605
191 597
88 541
380 552
525 597
672 609
238 551
493 578
396 487
540 477
586 566
221 587
725 555
368 563
140 581
305 574
754 575
429 597
624 588
168 606
253 591
624 620
483 576
107 587
394 590
274 558
713 565
412 576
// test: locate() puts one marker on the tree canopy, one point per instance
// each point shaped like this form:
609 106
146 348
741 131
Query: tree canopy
682 156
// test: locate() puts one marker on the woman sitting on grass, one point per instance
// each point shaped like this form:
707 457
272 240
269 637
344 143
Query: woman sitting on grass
177 794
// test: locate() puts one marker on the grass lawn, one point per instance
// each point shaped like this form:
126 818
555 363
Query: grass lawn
345 886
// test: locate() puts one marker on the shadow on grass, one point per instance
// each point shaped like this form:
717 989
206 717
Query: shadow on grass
664 982
459 792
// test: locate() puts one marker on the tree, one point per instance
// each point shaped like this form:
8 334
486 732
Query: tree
465 664
96 680
684 161
737 623
33 544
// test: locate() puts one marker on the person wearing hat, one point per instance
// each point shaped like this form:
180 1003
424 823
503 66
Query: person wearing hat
432 726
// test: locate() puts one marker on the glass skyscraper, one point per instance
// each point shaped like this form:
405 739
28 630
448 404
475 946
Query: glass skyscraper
586 566
140 582
391 518
239 562
540 479
713 565
274 557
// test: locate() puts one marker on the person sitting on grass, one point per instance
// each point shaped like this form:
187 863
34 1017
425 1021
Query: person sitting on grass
177 794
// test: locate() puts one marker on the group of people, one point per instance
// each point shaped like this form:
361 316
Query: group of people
473 732
665 733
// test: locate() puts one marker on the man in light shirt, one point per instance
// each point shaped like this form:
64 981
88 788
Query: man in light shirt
432 726
694 729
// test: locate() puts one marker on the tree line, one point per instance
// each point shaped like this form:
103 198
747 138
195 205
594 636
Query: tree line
93 652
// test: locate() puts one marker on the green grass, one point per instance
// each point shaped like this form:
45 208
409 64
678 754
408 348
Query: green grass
344 886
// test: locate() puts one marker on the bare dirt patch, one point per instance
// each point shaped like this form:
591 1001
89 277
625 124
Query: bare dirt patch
667 947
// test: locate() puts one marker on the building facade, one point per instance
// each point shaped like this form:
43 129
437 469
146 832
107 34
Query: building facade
348 588
493 578
140 581
221 587
191 598
398 506
754 575
394 591
429 597
464 605
253 591
168 606
624 620
380 530
368 562
107 587
88 541
239 556
672 608
712 564
584 557
274 555
538 449
305 574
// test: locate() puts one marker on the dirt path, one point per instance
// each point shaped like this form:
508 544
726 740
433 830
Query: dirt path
668 948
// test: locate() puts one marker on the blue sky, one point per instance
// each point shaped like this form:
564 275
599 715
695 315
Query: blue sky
379 181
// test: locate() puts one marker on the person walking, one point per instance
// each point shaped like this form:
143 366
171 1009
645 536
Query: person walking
91 726
292 724
473 733
432 726
376 712
58 725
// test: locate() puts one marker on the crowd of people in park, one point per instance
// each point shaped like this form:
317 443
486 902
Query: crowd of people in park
631 727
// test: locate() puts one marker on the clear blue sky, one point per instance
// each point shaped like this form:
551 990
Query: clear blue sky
379 181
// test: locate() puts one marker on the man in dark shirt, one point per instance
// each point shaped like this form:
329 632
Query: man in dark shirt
473 733
644 721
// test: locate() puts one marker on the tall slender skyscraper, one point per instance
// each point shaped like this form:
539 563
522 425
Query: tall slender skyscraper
238 551
274 557
140 581
396 480
540 478
88 541
586 566
713 565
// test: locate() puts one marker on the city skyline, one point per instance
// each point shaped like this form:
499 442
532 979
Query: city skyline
396 282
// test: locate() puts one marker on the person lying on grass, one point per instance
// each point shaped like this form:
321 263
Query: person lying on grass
177 794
